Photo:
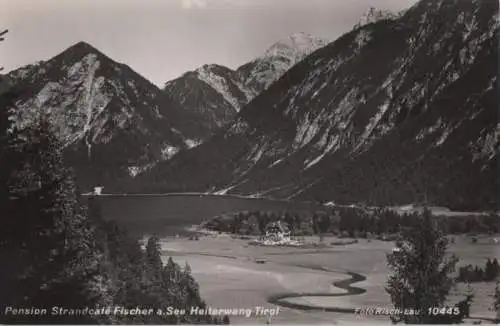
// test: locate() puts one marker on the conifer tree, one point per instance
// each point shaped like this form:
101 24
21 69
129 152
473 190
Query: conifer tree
5 105
153 258
492 271
189 288
56 261
8 273
152 283
420 271
489 271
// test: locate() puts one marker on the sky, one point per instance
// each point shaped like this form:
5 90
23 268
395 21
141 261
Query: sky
162 39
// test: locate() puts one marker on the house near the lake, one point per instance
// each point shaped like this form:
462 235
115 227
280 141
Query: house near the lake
277 231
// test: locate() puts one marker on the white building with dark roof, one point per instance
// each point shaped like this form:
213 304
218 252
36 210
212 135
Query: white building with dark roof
277 231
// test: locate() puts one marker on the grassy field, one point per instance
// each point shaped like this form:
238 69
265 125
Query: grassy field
229 276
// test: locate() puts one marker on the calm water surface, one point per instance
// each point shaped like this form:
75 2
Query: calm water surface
171 214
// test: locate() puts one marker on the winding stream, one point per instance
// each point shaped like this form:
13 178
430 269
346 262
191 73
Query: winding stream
343 284
278 299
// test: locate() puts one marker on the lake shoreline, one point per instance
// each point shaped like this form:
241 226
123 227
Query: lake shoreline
200 194
438 211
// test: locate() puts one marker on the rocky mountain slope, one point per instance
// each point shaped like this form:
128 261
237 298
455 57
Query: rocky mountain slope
212 92
397 111
258 74
216 93
113 122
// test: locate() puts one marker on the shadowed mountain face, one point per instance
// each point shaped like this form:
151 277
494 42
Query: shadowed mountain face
396 111
113 122
215 94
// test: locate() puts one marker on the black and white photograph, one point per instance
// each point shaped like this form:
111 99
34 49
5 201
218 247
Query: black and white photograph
249 162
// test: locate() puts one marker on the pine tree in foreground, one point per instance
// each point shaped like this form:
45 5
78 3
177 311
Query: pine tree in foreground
420 273
139 278
47 242
46 251
53 255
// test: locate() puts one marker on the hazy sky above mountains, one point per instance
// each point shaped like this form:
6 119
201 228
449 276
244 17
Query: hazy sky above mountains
162 39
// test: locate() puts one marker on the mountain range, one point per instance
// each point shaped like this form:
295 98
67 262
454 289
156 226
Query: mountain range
114 123
218 93
400 110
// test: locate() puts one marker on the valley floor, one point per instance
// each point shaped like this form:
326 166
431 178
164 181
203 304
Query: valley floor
230 277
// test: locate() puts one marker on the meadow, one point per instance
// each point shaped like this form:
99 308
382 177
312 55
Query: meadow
229 276
233 274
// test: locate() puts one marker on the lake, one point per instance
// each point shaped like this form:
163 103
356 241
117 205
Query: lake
167 215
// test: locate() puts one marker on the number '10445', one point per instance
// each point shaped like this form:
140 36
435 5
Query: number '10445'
443 311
